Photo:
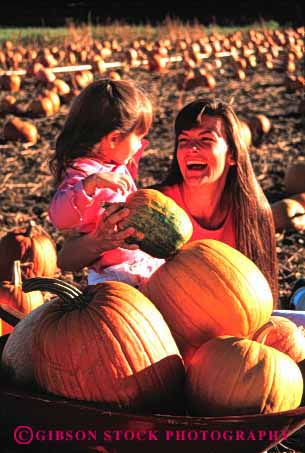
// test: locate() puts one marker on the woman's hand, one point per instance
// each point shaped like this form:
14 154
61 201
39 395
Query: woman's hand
105 237
108 234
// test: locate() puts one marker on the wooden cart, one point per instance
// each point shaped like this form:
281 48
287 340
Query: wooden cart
40 422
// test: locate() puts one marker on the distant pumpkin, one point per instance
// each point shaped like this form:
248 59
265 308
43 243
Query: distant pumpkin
260 126
10 82
288 213
16 130
294 179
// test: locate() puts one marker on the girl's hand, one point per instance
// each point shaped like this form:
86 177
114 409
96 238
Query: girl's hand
107 234
110 180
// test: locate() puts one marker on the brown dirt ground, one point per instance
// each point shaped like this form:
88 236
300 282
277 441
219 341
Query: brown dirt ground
26 187
26 183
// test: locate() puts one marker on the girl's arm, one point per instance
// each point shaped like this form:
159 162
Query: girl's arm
71 200
68 204
110 180
81 251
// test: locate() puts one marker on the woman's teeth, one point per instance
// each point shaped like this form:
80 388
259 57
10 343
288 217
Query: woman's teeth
196 166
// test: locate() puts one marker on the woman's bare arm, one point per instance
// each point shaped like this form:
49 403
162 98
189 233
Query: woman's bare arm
81 251
77 252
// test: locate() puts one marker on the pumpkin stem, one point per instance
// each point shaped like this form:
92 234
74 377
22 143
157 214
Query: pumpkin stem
30 226
16 277
71 295
106 204
10 314
261 334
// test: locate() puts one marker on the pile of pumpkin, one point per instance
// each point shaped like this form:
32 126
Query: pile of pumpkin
200 334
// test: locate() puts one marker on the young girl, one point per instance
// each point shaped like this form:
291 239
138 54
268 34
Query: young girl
95 161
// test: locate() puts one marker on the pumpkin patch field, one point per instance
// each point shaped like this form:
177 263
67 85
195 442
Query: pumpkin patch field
259 70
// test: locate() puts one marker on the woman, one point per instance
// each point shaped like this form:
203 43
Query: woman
212 178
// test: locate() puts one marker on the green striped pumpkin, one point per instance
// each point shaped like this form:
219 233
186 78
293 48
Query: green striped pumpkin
166 226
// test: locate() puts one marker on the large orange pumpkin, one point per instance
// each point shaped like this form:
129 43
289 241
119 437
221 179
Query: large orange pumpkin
235 376
109 344
33 246
17 355
208 289
17 358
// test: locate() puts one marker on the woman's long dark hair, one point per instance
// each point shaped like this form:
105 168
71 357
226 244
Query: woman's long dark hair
102 107
252 215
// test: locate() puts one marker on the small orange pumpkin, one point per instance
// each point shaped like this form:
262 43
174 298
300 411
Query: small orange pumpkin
41 106
83 79
114 75
294 179
11 294
299 197
31 245
157 62
287 337
20 131
98 64
10 83
8 104
235 376
288 213
61 87
54 98
45 75
260 126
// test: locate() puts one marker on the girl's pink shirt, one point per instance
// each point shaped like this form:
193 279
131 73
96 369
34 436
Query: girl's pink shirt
224 234
72 209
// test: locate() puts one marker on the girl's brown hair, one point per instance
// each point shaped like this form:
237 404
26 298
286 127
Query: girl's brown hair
102 107
253 220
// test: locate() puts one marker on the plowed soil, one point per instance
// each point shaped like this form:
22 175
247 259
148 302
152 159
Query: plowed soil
26 186
26 183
